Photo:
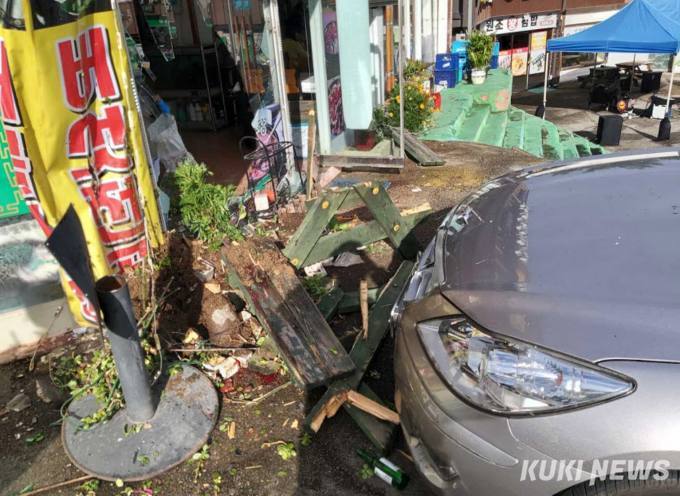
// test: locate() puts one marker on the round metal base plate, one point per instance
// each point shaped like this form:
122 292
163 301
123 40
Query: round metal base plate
186 414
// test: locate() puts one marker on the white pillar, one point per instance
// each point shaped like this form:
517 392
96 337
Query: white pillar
407 28
376 34
442 26
319 62
418 30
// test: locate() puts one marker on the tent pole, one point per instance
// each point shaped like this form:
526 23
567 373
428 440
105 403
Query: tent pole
665 124
670 87
545 83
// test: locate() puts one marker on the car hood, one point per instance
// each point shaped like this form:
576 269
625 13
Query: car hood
583 258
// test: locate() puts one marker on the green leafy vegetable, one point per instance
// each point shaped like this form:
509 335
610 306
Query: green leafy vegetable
203 206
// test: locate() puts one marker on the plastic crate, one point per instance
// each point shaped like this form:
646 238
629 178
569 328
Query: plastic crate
494 61
445 78
443 62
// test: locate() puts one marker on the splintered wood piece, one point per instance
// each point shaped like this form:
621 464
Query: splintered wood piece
363 305
380 432
373 407
328 410
311 150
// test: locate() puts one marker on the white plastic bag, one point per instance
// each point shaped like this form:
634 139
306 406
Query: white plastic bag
165 141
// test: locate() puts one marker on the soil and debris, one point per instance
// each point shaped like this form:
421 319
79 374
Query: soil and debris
259 446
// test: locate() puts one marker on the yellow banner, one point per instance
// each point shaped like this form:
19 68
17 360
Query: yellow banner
74 134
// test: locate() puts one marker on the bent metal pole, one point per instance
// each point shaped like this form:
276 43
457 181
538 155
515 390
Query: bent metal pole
114 299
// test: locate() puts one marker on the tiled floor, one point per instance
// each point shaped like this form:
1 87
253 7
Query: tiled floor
219 151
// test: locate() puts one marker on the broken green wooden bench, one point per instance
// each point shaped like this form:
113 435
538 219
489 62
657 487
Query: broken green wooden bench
312 243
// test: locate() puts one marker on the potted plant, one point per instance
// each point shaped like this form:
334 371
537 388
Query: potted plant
479 50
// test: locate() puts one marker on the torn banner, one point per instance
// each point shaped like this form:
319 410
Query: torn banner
73 132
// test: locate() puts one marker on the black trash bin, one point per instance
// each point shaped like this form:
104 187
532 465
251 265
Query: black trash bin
609 130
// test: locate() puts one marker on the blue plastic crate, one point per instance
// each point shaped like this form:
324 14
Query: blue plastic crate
445 78
443 62
494 61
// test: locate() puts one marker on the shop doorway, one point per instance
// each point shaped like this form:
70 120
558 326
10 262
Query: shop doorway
209 63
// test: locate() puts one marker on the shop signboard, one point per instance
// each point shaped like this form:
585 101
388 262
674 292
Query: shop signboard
537 53
505 59
74 133
516 24
519 61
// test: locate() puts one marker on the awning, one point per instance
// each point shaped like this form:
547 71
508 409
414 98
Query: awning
642 26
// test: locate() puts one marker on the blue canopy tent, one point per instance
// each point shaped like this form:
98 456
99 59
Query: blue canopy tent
642 26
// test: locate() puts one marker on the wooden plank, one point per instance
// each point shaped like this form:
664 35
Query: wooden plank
363 350
329 303
416 149
380 433
361 235
363 306
327 410
362 163
350 300
335 243
373 407
311 151
388 216
316 220
311 350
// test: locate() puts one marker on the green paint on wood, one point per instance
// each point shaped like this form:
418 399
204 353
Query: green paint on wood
316 220
310 245
379 432
328 304
388 216
350 300
363 350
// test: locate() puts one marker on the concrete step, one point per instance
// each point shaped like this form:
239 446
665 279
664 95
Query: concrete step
533 135
552 146
583 146
568 144
493 132
514 129
472 126
463 107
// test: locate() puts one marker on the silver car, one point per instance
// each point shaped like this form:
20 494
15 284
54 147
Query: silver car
538 340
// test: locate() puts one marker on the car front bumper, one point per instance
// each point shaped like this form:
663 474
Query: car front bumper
468 453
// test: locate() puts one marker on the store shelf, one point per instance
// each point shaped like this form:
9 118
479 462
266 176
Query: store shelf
201 125
197 93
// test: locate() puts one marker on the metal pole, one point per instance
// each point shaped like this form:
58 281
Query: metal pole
670 88
545 82
400 9
470 12
114 299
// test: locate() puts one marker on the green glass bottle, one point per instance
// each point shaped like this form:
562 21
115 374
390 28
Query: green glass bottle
384 469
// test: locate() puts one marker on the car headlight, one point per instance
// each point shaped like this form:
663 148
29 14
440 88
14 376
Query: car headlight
506 376
418 285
